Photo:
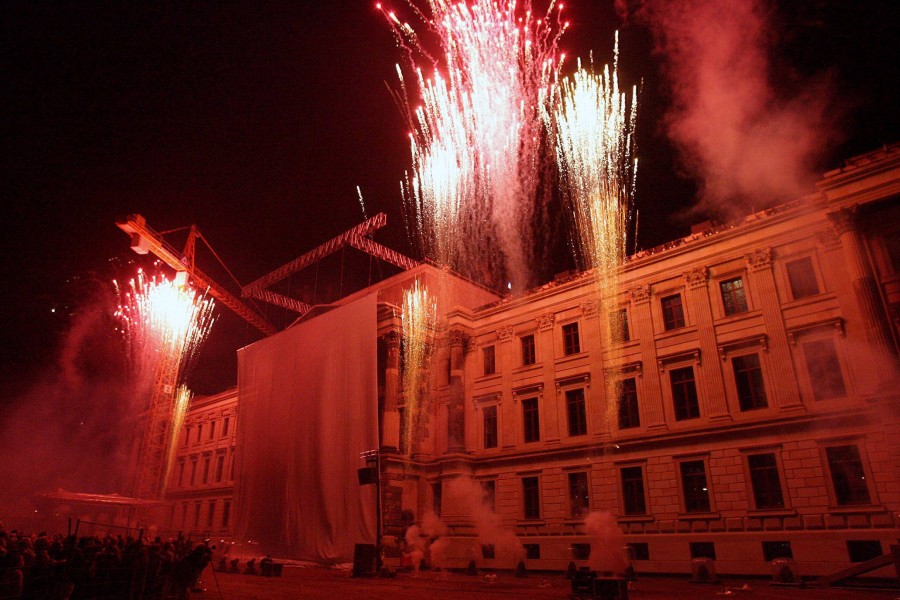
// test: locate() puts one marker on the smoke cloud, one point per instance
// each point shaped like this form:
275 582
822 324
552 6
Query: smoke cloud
607 543
751 135
74 428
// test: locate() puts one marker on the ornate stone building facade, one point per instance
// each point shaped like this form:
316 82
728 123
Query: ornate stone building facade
751 410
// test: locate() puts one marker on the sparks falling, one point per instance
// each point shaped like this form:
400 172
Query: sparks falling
179 410
476 135
593 124
419 319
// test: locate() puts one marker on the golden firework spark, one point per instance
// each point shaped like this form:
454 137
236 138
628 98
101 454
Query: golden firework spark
419 319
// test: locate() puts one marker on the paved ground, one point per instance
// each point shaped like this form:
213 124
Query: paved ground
300 583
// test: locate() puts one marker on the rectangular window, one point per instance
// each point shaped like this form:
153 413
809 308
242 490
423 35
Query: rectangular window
531 419
489 494
529 356
693 486
180 473
531 498
638 550
187 435
684 394
733 297
571 341
579 500
193 471
225 425
627 400
749 381
773 550
802 278
532 551
212 430
199 432
490 426
863 550
206 462
673 313
619 326
633 498
437 490
184 514
703 550
824 369
210 513
765 480
197 506
220 467
581 551
575 411
226 512
487 551
490 365
847 475
231 471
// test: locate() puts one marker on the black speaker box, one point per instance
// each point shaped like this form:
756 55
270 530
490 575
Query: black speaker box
364 556
367 475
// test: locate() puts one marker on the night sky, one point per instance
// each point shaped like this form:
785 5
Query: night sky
257 120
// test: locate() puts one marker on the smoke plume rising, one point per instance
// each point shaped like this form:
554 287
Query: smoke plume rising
748 141
607 543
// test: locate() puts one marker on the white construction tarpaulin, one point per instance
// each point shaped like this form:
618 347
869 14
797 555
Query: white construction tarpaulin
308 406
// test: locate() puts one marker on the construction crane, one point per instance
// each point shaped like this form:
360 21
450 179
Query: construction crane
144 239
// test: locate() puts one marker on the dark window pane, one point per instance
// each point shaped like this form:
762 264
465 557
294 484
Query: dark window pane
626 392
490 426
575 411
802 278
765 480
847 475
487 551
437 491
863 550
684 394
531 419
703 550
673 313
749 380
528 354
571 341
733 297
773 550
824 369
639 550
579 502
693 484
490 366
531 498
581 551
489 494
633 491
532 551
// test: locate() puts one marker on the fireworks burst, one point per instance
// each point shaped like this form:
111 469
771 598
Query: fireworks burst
593 124
163 322
179 410
476 136
419 318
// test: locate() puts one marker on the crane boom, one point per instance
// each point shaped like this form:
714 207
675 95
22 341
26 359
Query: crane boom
144 239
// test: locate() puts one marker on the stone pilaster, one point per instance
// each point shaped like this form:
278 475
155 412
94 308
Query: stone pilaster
779 368
881 358
642 323
456 417
697 283
390 434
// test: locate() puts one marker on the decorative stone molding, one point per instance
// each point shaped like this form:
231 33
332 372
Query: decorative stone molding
759 259
458 339
836 324
583 379
633 368
696 278
487 400
506 334
536 389
589 308
546 321
757 341
640 293
844 220
690 356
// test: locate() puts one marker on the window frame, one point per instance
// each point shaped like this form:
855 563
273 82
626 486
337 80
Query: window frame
737 385
672 324
636 412
570 498
814 276
626 513
774 451
526 354
535 514
696 394
682 496
489 360
833 495
814 382
739 303
571 338
536 417
581 416
493 407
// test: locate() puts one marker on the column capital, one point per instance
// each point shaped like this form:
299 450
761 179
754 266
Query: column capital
506 334
696 278
759 259
546 321
589 308
844 220
458 338
392 338
640 293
